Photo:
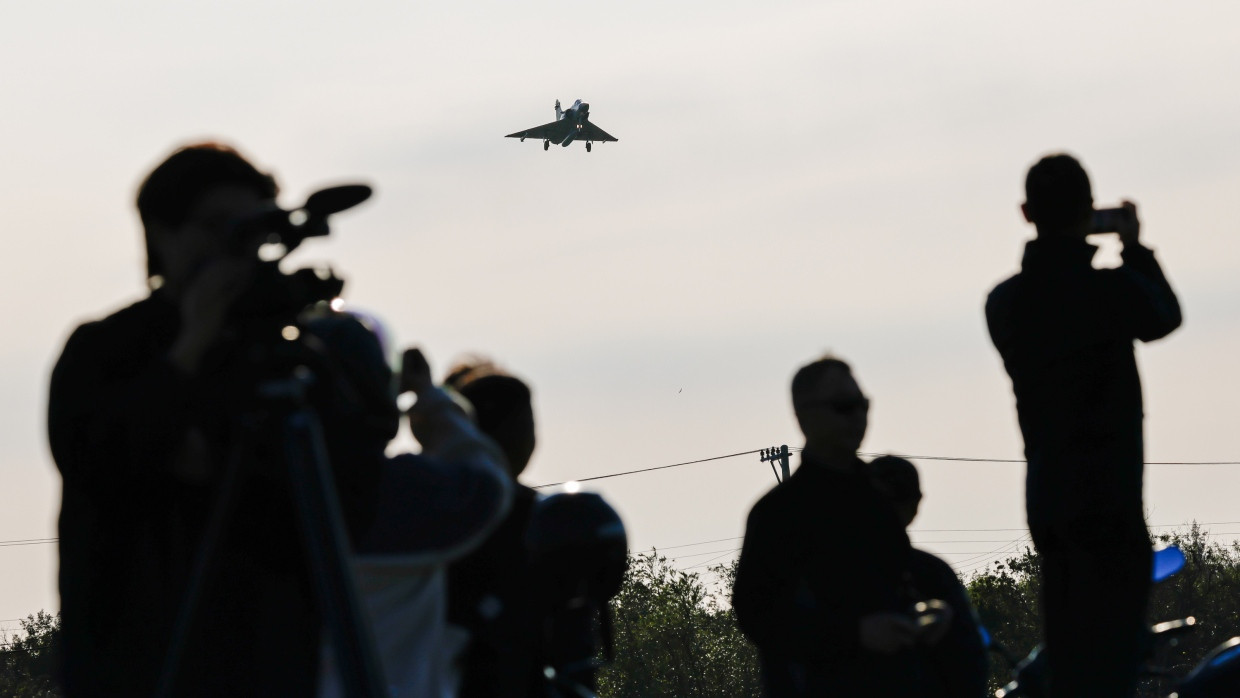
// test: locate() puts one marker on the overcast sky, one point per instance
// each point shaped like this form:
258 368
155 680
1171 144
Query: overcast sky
791 177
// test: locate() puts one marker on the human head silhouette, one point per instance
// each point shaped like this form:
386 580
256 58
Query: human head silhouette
897 479
1058 198
830 407
189 203
502 406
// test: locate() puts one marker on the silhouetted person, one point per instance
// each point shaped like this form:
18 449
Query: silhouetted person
434 507
955 661
1065 331
491 591
819 582
142 423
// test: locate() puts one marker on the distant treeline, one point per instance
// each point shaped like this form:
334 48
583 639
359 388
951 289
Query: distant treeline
676 636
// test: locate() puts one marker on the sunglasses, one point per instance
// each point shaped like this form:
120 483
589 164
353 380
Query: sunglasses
841 405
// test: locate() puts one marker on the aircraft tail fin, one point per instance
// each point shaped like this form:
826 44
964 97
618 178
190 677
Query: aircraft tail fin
558 113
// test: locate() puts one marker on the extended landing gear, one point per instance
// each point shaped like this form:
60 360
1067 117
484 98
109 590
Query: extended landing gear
587 146
546 144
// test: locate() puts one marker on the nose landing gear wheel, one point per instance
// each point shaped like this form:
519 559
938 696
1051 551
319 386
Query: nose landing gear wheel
546 144
587 147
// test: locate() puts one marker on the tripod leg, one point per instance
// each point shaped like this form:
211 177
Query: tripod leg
204 564
327 548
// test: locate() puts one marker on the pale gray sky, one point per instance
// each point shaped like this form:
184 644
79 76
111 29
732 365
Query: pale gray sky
790 178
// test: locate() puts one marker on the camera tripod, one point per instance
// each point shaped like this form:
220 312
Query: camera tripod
320 524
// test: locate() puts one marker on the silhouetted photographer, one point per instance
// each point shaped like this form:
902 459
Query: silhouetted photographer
1065 331
434 507
176 423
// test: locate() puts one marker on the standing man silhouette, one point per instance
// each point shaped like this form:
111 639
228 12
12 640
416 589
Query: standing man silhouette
819 585
1065 331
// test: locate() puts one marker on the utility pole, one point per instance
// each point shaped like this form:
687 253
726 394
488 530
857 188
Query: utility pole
777 453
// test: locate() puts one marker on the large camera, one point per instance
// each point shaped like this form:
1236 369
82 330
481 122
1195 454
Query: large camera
291 227
275 294
578 553
295 404
274 309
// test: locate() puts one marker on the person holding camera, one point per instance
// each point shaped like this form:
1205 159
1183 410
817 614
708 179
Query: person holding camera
819 586
1065 331
954 657
144 420
434 507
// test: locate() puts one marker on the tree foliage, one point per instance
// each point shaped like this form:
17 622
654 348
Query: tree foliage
676 636
27 658
1008 605
1208 588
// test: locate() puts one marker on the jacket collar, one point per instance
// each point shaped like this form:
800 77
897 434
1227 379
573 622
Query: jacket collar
1046 252
810 463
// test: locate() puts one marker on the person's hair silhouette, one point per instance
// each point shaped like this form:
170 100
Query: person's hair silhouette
502 407
1058 196
167 196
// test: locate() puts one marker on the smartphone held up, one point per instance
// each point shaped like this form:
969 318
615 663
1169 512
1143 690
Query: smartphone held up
1108 220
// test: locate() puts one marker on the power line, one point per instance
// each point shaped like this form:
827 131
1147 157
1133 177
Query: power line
963 530
703 564
42 541
985 558
974 530
992 540
646 470
999 550
27 541
941 542
1022 460
964 459
656 548
712 552
688 545
967 459
977 560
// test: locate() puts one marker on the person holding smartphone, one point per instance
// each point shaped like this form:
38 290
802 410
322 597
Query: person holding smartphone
1065 331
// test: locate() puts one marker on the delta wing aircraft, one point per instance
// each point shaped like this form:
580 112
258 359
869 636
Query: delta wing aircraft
572 124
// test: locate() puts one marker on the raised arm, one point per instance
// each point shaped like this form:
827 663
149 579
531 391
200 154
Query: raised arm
1137 293
437 506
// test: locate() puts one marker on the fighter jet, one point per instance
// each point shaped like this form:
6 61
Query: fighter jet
572 124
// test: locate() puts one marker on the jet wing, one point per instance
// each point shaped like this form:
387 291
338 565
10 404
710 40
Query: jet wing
554 131
594 133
